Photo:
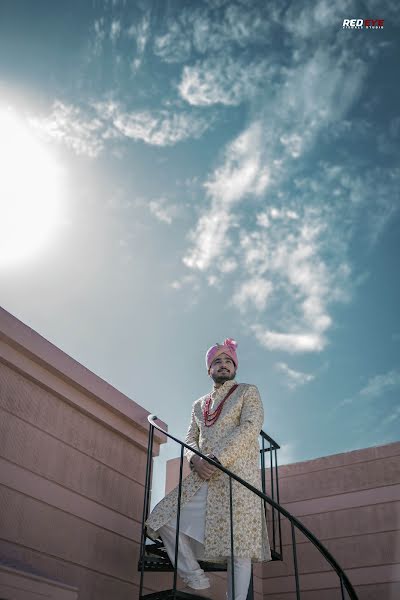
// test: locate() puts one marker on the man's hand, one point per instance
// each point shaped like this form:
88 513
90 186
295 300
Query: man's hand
202 467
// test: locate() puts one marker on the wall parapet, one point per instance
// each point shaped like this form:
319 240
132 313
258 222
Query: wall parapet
39 360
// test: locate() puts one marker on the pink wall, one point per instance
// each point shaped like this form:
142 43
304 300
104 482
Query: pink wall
72 461
351 502
72 468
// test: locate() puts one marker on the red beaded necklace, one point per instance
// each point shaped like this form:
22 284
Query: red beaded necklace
212 417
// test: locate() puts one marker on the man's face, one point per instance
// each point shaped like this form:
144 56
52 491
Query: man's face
222 369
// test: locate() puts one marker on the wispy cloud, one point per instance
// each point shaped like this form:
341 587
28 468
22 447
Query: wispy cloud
115 30
282 257
159 128
187 280
393 416
379 384
87 129
174 45
68 124
253 293
99 35
242 174
376 387
294 379
224 80
290 252
289 342
140 31
163 210
294 253
211 28
284 228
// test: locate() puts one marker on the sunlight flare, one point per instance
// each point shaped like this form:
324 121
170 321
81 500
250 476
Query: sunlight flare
30 191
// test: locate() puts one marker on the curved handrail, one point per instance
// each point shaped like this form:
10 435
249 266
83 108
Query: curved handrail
310 536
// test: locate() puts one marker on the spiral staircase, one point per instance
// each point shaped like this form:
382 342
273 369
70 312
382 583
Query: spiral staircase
153 557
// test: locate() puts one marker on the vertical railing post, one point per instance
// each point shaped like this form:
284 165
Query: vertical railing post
263 485
232 550
296 571
273 495
263 465
178 516
278 501
146 502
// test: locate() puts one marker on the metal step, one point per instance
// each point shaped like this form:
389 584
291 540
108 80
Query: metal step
172 595
156 559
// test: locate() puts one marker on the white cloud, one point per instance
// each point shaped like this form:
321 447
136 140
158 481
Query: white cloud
264 218
289 254
99 36
253 293
289 342
86 130
242 174
175 45
288 248
314 94
294 378
315 17
210 239
393 416
68 124
355 197
228 28
379 384
223 80
140 32
162 210
115 30
376 387
159 128
185 282
299 243
213 281
228 265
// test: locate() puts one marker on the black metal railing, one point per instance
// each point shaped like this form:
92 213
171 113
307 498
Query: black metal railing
344 582
274 487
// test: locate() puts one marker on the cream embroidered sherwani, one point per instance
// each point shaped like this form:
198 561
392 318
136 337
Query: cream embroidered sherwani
233 439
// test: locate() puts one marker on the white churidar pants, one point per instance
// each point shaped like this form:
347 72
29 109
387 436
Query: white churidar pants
191 539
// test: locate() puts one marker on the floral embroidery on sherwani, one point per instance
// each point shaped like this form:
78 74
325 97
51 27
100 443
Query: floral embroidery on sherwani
233 439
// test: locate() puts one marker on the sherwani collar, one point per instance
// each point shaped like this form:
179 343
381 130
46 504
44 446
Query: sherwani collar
219 393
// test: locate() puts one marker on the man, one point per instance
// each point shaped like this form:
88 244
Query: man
224 426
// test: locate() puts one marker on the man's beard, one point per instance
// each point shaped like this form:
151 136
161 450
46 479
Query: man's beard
222 377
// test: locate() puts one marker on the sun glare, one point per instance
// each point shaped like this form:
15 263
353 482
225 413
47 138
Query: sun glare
30 192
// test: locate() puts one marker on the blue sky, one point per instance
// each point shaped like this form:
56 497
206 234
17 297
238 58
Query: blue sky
181 172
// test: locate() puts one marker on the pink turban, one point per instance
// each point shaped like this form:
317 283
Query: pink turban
228 347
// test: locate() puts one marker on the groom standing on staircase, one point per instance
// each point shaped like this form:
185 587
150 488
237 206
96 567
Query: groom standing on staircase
225 425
